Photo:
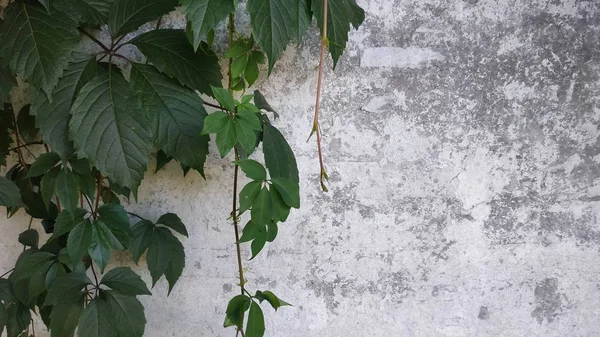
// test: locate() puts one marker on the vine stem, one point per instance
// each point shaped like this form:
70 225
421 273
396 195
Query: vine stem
8 272
316 126
91 37
21 146
235 180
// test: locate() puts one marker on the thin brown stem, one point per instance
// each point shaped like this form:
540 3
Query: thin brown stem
21 146
98 195
231 30
316 126
216 106
8 272
18 139
91 37
95 277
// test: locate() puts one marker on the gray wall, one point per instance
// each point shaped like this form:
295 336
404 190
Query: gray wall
462 142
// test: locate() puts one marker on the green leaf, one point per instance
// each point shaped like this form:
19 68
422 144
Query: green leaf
258 243
30 238
64 318
226 138
3 318
239 65
256 321
273 25
170 52
176 114
7 82
6 291
125 281
262 209
252 72
102 242
245 134
116 219
161 160
19 318
340 15
281 210
253 169
275 302
30 264
128 314
272 231
97 320
205 15
46 4
248 195
140 239
127 15
52 117
215 122
249 118
66 221
279 158
36 44
48 185
261 102
251 231
176 261
174 222
56 270
236 308
118 143
224 97
44 163
26 124
80 239
67 189
89 12
289 191
67 288
10 195
158 257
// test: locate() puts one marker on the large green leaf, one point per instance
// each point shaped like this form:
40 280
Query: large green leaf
53 117
262 209
275 23
66 221
19 318
44 163
64 318
204 15
109 127
128 313
125 281
279 157
176 114
176 261
340 15
170 51
127 15
89 12
97 320
30 263
10 195
158 254
67 288
79 241
102 243
37 45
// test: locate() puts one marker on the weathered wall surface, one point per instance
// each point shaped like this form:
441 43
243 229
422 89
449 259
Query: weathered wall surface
462 142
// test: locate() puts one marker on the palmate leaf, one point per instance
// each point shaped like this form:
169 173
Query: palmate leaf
97 320
125 281
276 22
127 15
171 53
53 117
9 194
204 15
64 318
340 15
128 314
37 45
176 114
109 127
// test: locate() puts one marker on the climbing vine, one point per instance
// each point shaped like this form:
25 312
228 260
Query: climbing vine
83 142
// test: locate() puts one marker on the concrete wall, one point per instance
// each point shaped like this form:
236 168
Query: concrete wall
462 142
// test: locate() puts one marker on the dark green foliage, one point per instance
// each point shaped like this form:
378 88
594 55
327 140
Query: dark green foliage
99 123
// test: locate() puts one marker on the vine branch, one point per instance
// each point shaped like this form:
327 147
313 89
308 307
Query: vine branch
21 146
316 126
91 37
